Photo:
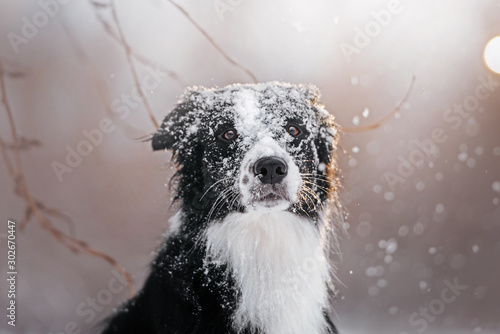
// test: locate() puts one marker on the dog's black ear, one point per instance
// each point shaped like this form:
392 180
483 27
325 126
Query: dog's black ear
172 128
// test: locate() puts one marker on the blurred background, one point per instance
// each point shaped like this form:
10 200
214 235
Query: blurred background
85 79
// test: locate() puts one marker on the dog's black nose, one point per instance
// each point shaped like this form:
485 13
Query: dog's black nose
270 170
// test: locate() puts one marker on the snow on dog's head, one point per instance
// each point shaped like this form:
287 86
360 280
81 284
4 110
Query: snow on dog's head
252 147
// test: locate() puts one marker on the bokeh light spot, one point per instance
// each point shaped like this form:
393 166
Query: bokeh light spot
492 54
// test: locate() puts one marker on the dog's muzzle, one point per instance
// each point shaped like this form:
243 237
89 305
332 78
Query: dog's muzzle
270 170
269 177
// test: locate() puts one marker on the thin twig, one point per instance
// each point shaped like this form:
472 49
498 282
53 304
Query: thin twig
139 57
146 61
5 156
98 78
386 118
212 41
34 206
63 217
133 70
24 144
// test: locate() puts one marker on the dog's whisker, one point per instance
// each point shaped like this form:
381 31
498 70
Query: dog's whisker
236 198
315 189
311 180
315 185
220 199
312 201
313 193
213 185
315 177
314 196
298 205
307 199
317 182
304 200
315 173
227 198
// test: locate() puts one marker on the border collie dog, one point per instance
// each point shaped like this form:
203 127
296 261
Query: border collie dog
248 249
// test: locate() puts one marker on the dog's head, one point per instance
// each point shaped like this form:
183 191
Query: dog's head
252 147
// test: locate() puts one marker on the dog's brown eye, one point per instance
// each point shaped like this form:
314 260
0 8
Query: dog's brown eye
293 130
229 135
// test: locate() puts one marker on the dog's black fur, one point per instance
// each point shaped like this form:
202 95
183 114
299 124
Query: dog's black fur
183 293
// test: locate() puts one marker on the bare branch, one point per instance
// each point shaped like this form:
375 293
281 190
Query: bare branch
58 214
28 213
24 144
6 158
139 57
14 71
35 207
146 61
133 70
386 118
212 41
98 78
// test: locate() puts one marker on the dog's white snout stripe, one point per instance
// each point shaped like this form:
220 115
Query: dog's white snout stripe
269 151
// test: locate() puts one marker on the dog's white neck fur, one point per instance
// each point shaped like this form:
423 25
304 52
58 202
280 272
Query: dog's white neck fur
279 265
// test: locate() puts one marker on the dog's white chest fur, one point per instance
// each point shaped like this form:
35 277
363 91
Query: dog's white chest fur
279 265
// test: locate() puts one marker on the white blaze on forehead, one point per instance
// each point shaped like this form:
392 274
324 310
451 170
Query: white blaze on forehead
246 106
247 116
